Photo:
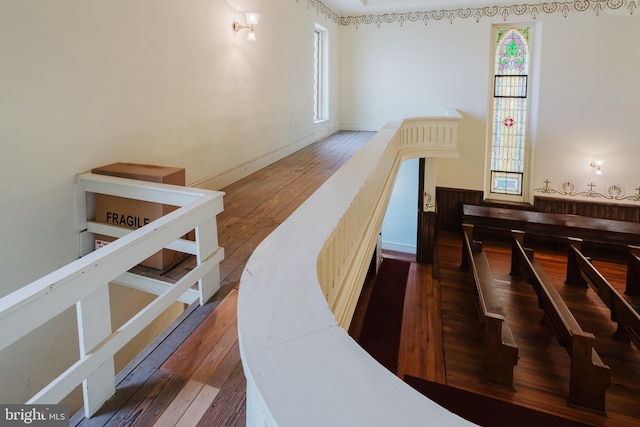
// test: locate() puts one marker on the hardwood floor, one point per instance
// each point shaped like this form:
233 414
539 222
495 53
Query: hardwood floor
192 374
421 353
541 378
442 338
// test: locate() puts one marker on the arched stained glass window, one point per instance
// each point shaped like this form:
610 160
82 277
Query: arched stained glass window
509 127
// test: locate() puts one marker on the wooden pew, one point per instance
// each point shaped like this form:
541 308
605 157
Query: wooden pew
553 225
581 272
589 376
633 271
500 353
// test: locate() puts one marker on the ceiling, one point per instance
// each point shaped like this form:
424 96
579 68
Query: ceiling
366 7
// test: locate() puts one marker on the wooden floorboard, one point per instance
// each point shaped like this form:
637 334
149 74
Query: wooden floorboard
204 342
182 408
541 377
192 374
229 406
421 352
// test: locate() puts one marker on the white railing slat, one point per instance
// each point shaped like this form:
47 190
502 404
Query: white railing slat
153 286
87 364
84 282
166 194
58 291
94 325
207 244
181 245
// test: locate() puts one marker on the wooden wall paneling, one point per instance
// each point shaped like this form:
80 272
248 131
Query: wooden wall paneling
427 237
612 211
450 201
427 221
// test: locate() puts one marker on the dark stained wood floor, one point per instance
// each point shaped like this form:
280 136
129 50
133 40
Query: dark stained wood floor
192 374
541 378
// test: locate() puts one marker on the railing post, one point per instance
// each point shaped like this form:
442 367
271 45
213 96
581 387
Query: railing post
206 246
94 325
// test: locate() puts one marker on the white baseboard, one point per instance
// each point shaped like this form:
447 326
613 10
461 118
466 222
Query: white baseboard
367 127
244 169
398 247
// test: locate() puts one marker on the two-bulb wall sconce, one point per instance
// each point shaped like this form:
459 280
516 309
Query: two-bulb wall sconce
597 165
252 22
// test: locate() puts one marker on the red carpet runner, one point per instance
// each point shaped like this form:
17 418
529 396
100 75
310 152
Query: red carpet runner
380 335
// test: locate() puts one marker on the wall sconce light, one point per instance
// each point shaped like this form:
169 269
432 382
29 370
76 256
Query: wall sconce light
597 164
252 22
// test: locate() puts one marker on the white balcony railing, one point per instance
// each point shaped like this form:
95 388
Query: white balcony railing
84 282
301 285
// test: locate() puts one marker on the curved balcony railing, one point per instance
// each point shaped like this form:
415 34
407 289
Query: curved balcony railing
301 285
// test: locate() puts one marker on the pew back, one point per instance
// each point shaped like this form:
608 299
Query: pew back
553 225
500 351
589 376
621 311
633 271
549 300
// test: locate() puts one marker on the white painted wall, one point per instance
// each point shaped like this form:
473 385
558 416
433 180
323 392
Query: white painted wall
400 225
84 84
587 84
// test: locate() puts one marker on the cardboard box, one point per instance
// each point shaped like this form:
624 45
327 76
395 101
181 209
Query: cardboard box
133 214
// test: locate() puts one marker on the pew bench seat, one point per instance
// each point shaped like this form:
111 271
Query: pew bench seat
589 376
500 353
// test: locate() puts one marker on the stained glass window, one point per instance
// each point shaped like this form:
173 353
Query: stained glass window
509 128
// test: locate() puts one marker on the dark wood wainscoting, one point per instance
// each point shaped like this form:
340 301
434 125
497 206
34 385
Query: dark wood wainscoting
450 201
426 237
587 208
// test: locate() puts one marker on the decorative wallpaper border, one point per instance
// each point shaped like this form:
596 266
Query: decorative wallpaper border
531 9
569 189
323 9
429 203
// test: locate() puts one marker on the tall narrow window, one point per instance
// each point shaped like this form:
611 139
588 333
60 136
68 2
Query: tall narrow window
317 74
320 71
510 104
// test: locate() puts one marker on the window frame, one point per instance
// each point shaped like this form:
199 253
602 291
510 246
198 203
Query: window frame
530 77
320 74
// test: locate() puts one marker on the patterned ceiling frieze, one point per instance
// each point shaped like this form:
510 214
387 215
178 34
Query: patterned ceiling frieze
323 9
569 189
505 11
